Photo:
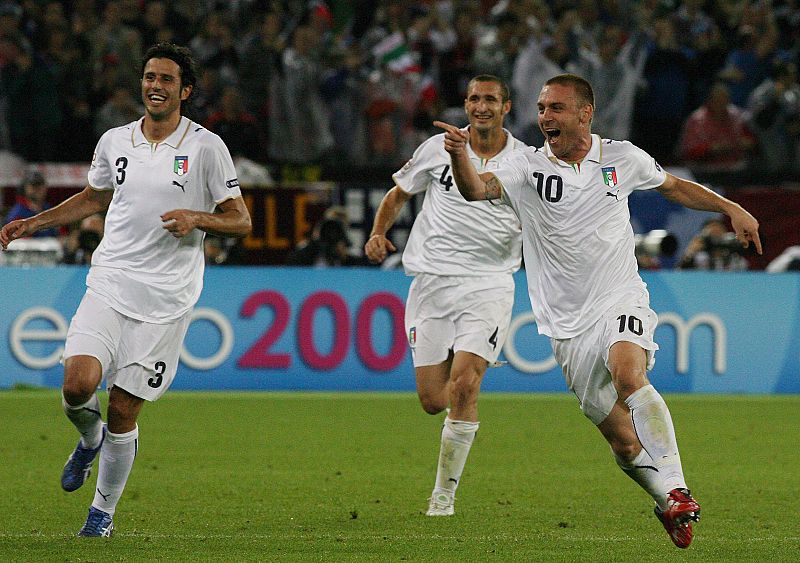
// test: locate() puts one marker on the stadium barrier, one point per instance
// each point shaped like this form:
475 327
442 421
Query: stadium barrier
342 329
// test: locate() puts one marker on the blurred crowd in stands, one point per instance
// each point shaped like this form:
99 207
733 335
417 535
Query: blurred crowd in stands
711 83
312 87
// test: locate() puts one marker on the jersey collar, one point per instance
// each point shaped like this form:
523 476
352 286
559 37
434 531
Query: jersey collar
595 153
174 140
509 146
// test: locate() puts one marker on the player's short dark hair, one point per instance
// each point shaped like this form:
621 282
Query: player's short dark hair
505 93
181 56
583 90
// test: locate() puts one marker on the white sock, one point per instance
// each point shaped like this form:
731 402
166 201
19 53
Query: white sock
653 425
116 461
642 469
457 437
87 420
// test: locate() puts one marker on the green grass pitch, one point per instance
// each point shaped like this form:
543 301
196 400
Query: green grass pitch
345 477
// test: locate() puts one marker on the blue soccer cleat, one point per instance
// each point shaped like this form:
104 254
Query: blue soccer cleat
98 524
79 466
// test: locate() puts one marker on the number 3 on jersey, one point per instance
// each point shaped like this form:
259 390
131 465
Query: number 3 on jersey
445 179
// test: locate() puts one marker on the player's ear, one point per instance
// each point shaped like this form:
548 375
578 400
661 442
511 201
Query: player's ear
506 107
586 114
186 91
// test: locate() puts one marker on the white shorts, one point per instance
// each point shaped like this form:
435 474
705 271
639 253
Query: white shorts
139 357
458 313
584 358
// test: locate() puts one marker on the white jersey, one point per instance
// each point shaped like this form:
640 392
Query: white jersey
140 269
578 240
451 236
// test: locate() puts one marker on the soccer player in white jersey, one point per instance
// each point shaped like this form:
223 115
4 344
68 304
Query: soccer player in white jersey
164 181
585 290
462 256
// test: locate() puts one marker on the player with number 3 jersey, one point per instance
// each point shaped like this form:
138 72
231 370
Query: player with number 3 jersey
163 181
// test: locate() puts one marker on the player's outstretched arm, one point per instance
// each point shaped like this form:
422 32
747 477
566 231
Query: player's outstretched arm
232 219
73 209
473 186
695 196
378 246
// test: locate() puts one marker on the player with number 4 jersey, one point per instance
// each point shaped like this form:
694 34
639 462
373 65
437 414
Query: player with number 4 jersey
585 290
163 182
462 256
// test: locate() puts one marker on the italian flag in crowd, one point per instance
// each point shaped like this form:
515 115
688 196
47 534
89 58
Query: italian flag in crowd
393 53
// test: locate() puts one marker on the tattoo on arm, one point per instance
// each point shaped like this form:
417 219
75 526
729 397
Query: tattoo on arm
492 188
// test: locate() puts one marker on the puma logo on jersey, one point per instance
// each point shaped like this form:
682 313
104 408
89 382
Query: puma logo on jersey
174 183
612 195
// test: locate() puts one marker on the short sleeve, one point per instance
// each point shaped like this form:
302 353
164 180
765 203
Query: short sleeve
221 180
414 176
645 172
101 174
512 174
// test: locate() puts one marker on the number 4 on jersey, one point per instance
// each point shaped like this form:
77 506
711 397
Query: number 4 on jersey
445 179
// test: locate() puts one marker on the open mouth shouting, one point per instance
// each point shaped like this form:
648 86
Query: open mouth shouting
552 134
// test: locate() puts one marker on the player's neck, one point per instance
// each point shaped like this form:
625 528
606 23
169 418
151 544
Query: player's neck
577 153
488 143
156 130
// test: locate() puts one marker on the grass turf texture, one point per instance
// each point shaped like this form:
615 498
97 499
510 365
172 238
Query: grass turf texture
345 477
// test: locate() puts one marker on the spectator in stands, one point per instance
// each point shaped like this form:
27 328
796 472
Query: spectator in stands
716 138
343 92
541 59
260 63
775 117
31 199
120 109
748 64
33 112
300 125
214 46
456 63
615 70
116 45
498 47
662 105
237 127
714 248
154 26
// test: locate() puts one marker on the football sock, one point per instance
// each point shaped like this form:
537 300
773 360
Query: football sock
116 461
457 437
652 423
87 420
642 469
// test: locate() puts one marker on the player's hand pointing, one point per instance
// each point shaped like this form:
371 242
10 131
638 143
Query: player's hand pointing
455 139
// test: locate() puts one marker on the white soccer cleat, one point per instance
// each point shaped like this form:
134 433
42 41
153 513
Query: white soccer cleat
441 504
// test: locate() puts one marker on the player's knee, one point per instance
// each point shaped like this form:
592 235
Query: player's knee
432 404
628 383
77 390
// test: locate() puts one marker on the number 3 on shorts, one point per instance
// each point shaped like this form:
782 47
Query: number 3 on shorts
158 378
